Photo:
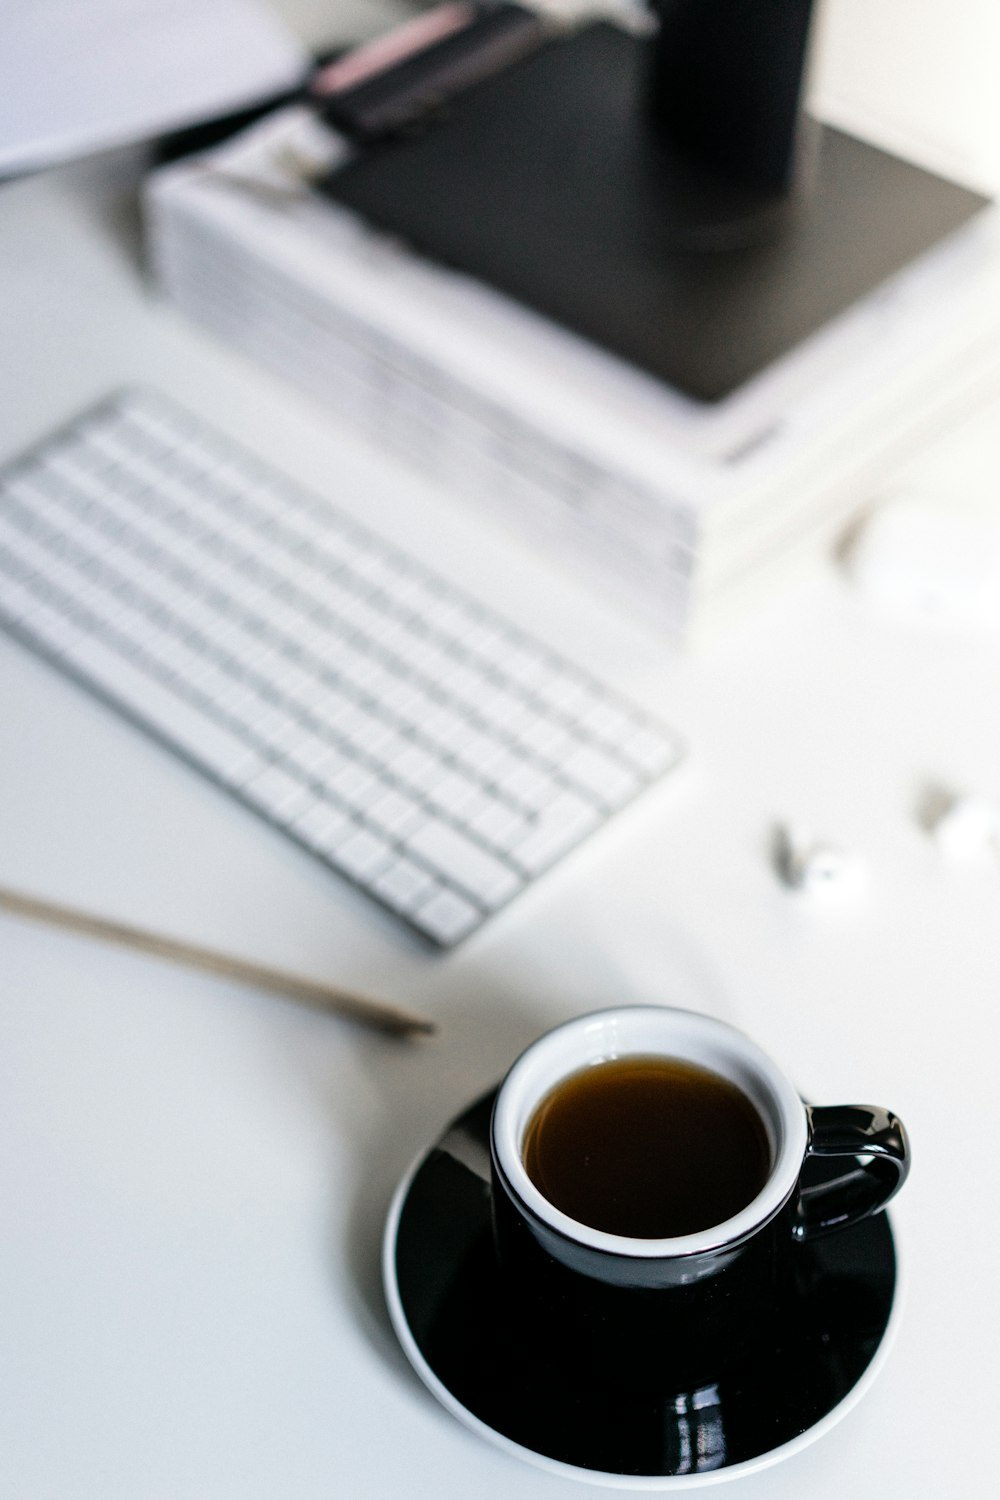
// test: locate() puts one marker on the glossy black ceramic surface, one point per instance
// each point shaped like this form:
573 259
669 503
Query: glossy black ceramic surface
822 1339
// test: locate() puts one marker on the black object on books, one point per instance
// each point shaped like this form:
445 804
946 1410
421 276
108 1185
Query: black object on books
552 182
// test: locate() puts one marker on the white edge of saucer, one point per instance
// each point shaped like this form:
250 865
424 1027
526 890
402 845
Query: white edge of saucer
648 1483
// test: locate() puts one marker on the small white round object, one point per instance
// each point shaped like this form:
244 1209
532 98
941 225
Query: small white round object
932 558
968 828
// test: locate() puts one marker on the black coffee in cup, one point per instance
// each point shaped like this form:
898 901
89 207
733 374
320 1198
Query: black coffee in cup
650 1147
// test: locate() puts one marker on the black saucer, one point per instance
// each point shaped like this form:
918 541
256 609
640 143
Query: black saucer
447 1307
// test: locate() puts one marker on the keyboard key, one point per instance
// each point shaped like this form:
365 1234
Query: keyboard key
454 793
499 825
278 791
323 826
600 775
416 768
396 814
565 693
353 783
604 720
223 752
651 752
448 917
363 855
479 751
404 885
475 871
563 824
528 786
313 755
48 624
18 603
544 737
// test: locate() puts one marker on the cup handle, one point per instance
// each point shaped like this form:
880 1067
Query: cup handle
852 1130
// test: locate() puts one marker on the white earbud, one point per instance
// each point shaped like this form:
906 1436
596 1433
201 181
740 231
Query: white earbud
814 867
967 828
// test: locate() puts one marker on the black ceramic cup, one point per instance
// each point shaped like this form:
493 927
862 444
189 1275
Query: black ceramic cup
680 1310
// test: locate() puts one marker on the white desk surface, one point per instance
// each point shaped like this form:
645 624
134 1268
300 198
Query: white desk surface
193 1177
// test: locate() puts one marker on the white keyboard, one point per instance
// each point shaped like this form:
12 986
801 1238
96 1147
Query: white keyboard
419 744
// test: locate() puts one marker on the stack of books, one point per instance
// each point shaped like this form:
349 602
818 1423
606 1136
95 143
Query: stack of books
684 511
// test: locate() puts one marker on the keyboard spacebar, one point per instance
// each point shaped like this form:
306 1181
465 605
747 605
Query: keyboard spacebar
464 863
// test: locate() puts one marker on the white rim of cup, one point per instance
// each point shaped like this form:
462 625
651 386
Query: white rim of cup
652 1030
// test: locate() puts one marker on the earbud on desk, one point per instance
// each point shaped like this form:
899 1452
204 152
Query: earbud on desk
967 828
813 866
932 558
